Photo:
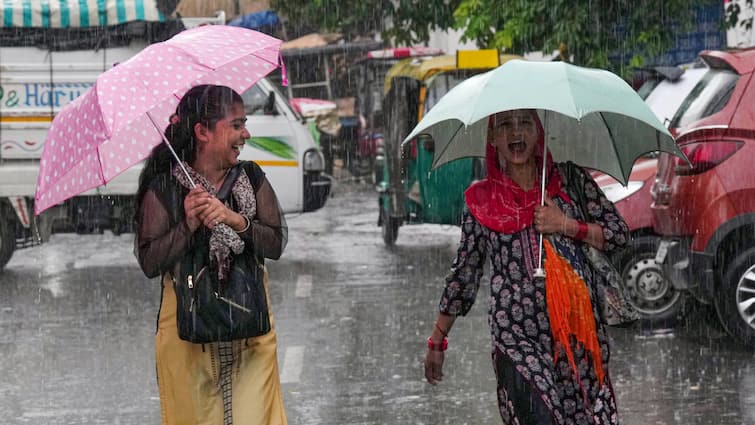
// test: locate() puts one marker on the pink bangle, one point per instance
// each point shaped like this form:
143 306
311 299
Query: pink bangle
581 231
443 346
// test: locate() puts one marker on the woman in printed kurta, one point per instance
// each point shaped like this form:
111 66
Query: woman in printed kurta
503 223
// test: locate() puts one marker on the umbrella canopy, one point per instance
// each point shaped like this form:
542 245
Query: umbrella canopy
112 126
590 116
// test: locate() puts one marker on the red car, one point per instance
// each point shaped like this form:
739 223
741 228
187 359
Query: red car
705 209
651 293
648 289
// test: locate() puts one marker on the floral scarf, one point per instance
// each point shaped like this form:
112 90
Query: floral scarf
223 239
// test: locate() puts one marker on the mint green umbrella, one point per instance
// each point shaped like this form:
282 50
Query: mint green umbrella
591 117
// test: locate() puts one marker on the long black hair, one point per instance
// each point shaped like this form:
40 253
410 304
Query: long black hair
204 104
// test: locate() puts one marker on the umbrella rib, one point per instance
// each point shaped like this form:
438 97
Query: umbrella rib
445 148
101 168
577 113
613 145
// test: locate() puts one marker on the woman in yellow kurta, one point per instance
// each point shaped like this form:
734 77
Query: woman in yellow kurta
233 382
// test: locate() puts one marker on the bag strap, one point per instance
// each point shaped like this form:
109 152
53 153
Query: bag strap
576 189
230 180
254 172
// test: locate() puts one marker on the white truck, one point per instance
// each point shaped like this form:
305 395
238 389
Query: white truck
36 82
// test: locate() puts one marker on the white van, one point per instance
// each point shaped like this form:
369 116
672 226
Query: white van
34 85
283 146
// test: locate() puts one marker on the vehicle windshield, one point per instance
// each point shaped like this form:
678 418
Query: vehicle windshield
647 87
709 96
440 85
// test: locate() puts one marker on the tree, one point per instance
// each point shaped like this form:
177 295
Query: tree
409 21
611 34
412 20
351 19
597 33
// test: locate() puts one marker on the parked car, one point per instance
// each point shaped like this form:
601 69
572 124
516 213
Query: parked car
649 290
705 208
646 79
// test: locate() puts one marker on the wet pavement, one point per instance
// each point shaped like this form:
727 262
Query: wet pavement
77 320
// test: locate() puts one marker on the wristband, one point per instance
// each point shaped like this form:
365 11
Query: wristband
581 230
443 346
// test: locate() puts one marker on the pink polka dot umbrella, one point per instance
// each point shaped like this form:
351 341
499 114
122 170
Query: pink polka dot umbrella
116 123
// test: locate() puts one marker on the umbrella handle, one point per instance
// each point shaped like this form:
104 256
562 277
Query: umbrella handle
175 155
539 271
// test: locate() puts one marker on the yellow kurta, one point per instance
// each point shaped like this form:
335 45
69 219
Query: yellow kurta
192 378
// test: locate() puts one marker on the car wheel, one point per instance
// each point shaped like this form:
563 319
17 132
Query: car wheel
735 300
7 240
648 289
389 226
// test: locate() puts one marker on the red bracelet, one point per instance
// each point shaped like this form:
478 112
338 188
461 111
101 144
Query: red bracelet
443 346
581 231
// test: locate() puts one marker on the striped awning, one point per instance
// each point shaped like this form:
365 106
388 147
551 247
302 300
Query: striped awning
75 13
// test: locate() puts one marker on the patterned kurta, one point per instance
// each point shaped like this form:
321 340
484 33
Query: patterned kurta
518 313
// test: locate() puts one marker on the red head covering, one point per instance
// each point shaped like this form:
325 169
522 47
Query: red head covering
501 204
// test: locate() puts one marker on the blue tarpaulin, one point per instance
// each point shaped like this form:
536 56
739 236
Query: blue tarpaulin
256 21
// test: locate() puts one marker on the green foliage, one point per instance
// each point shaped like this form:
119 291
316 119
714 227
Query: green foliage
351 18
413 20
594 31
410 21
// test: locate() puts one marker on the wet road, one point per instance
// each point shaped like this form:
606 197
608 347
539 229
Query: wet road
77 320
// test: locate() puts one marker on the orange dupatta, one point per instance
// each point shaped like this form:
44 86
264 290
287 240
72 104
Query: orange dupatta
570 309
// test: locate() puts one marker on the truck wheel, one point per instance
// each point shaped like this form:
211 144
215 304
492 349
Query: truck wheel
7 239
648 289
390 226
735 300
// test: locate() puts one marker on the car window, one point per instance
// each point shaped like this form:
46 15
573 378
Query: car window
254 100
667 96
256 97
709 96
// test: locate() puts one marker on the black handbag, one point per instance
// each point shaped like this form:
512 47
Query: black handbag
616 310
209 310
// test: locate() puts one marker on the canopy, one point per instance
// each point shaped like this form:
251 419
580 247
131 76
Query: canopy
422 68
76 13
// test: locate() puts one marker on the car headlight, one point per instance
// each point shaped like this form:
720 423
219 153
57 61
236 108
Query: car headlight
615 192
313 160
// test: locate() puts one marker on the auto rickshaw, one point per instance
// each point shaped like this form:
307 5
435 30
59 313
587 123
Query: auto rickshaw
409 192
369 74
